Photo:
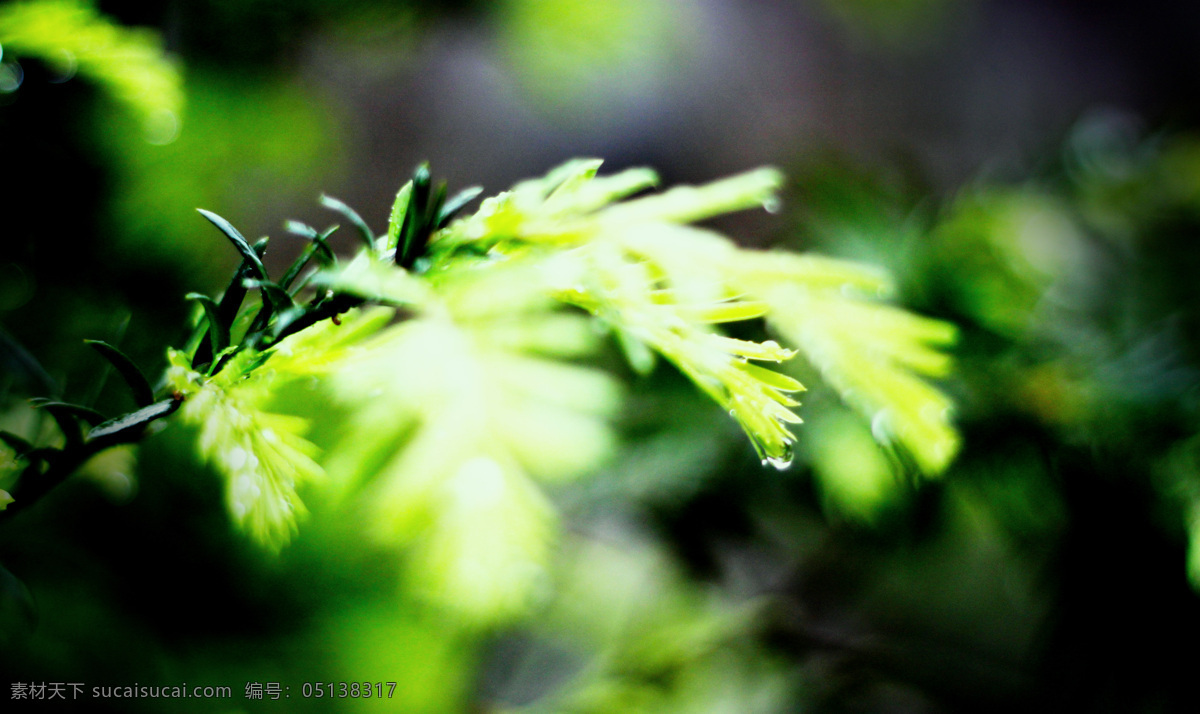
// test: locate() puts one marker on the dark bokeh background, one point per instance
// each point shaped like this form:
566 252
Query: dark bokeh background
1028 170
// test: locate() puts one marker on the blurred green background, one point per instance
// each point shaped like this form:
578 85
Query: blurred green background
1028 170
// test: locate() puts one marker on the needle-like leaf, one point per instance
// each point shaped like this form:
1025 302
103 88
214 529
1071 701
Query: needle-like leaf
67 422
456 203
351 215
143 394
218 331
239 242
87 414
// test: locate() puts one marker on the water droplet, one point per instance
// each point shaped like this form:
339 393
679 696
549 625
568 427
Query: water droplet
11 76
772 205
161 127
783 460
66 65
236 458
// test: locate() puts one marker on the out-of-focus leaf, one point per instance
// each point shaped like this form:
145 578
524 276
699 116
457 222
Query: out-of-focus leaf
453 421
16 443
18 612
129 64
661 644
456 204
66 420
277 297
373 280
857 483
1011 249
16 360
262 456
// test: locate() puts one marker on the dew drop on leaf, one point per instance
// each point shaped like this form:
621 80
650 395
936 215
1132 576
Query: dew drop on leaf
783 460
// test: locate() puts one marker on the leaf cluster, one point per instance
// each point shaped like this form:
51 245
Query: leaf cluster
461 353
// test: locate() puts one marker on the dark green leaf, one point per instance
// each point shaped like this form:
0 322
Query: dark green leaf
18 614
66 420
318 248
138 384
231 302
276 301
396 217
123 427
414 233
91 416
352 216
16 443
235 292
102 379
16 359
293 271
434 207
224 355
420 191
286 318
218 331
277 297
324 253
239 242
456 204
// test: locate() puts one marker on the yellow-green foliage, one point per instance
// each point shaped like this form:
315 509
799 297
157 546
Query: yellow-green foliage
466 389
650 641
262 455
128 64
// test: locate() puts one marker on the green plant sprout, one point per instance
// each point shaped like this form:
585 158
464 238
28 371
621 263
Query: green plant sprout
457 350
